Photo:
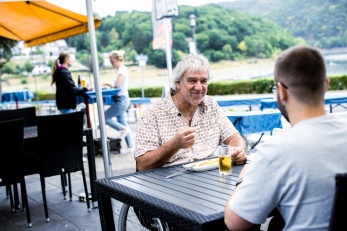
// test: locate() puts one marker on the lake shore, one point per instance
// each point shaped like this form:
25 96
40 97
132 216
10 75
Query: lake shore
149 75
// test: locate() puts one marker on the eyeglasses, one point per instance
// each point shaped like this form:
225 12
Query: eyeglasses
274 89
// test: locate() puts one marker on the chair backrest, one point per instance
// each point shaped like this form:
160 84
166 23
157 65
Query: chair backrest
28 113
338 219
60 142
11 155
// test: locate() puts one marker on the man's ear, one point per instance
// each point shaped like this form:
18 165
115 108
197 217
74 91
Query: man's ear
327 81
178 85
282 92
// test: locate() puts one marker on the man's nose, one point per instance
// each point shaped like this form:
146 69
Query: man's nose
198 85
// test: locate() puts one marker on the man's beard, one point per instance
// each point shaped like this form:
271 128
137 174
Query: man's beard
282 108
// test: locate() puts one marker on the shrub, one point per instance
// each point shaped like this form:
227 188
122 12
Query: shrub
23 81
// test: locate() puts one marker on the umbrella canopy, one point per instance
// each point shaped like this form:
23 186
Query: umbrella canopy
39 22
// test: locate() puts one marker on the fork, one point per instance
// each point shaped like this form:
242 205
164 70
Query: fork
172 175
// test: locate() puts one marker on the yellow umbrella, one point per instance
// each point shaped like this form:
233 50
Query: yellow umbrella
39 22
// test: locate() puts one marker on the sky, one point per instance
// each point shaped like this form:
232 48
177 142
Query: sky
109 7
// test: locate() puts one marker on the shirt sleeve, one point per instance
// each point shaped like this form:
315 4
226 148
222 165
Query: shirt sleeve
71 84
258 194
147 133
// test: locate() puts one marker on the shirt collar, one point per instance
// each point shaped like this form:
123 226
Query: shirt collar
169 105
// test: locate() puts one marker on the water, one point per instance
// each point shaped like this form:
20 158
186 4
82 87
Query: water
335 61
336 64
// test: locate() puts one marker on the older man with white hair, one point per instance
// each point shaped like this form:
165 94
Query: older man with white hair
186 125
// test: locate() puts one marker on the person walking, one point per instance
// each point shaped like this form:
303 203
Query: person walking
66 90
121 101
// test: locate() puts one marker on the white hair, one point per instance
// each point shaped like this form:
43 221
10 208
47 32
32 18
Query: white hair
193 63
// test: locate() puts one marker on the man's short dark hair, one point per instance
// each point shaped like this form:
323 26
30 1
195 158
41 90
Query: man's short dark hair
302 70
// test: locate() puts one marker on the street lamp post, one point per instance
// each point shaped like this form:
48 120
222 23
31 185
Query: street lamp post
192 45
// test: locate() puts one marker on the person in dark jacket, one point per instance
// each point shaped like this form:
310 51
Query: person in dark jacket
66 89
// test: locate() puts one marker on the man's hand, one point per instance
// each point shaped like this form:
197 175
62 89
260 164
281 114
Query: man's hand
185 137
239 155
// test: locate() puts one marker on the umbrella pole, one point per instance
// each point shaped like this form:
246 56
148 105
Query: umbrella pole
168 49
36 93
100 104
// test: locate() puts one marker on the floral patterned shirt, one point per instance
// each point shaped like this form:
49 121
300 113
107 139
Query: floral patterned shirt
162 120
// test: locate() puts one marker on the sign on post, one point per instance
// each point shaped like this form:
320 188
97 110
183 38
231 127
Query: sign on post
142 59
166 8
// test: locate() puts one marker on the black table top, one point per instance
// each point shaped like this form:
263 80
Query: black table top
191 200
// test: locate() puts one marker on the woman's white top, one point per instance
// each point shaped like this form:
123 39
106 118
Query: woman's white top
123 70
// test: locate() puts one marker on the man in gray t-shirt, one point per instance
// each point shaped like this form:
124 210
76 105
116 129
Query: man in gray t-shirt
295 170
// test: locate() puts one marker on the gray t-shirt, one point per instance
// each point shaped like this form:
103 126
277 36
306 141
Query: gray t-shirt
295 172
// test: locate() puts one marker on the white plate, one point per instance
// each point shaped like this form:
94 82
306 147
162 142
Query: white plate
203 165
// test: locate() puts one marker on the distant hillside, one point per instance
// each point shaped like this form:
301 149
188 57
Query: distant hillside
322 23
221 34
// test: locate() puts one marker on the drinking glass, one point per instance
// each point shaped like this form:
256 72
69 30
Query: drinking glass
225 159
83 82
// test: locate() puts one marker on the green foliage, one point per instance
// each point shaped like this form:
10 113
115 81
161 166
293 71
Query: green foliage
50 63
220 34
23 81
86 60
28 66
253 86
45 95
6 46
338 82
9 68
258 86
149 92
321 23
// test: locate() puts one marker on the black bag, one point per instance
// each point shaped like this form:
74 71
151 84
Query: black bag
115 145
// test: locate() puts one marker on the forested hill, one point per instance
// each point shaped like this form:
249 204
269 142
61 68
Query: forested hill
221 34
322 23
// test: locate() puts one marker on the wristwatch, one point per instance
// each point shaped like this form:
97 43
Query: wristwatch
239 181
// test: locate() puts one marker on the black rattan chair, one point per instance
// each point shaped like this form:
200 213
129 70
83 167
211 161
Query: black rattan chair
339 210
28 113
29 116
11 159
60 140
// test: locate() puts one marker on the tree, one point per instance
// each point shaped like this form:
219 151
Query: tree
86 60
180 42
220 33
9 68
28 66
6 46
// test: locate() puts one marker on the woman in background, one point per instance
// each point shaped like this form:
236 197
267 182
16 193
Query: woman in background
121 101
66 89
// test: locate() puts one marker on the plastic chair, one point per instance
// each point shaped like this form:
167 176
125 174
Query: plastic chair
60 140
339 209
11 159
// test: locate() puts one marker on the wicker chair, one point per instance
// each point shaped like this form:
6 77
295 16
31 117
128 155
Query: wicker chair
28 113
339 210
30 158
60 143
11 159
